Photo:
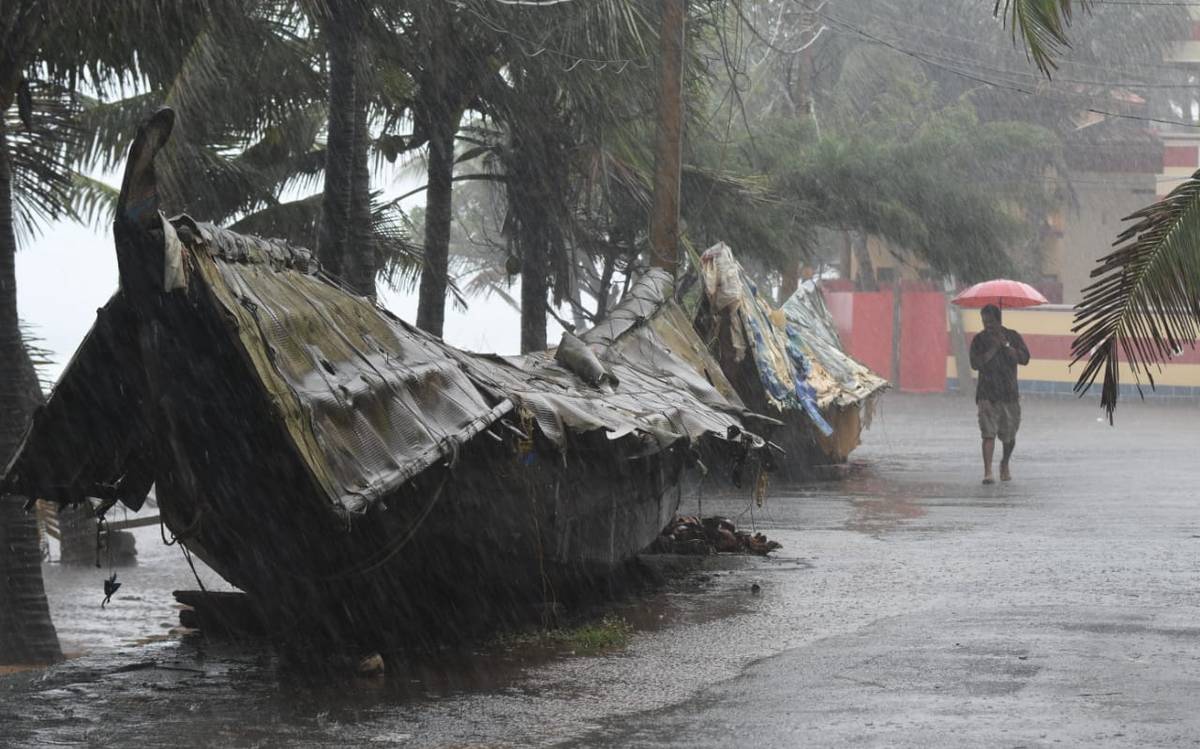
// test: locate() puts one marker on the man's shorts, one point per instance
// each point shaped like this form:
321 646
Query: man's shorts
999 420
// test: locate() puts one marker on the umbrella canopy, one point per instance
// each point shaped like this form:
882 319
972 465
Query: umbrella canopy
1001 292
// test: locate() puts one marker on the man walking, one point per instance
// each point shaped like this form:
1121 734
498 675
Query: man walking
995 353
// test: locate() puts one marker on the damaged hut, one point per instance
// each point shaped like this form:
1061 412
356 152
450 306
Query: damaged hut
784 363
358 478
846 389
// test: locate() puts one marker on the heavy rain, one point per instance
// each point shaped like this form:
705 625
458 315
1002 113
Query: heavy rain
599 373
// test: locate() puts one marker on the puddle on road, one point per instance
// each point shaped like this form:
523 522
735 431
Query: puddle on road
878 516
241 694
877 500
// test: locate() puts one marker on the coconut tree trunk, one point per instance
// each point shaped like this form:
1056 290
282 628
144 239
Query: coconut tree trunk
578 314
345 247
790 282
26 632
534 289
668 152
866 268
443 91
362 260
435 276
604 288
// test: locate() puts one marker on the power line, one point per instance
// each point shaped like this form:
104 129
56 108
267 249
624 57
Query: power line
1037 79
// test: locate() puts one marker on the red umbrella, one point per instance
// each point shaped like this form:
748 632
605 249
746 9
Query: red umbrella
1001 292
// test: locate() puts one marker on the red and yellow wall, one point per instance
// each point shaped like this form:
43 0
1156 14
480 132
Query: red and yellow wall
1047 333
923 359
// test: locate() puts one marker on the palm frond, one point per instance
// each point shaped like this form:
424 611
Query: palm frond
1041 24
490 281
1145 304
42 156
42 358
294 220
400 259
95 201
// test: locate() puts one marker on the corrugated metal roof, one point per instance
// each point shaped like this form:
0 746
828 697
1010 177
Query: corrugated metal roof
368 401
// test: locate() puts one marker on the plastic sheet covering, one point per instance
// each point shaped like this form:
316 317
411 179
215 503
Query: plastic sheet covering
839 380
783 368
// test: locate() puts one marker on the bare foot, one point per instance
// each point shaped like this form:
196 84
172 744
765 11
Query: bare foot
1004 473
988 479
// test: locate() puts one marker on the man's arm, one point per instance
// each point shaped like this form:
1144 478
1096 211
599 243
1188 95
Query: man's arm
977 359
1018 348
981 351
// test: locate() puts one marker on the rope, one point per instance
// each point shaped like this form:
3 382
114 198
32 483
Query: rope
188 556
390 553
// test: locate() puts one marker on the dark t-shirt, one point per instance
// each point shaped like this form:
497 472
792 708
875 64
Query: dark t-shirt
998 375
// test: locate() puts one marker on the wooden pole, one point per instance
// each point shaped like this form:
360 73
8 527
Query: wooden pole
664 221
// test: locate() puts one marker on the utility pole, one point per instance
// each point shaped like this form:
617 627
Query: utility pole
668 157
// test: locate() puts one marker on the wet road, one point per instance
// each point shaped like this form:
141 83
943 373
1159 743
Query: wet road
910 606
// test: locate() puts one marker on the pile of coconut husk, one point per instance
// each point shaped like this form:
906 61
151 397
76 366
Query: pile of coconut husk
688 534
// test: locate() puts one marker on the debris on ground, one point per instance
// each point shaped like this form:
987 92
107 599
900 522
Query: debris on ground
688 534
371 665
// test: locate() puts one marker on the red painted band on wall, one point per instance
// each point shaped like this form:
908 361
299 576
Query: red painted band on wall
1181 156
1058 347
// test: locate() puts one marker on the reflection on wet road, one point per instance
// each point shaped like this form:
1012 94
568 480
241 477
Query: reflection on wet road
909 604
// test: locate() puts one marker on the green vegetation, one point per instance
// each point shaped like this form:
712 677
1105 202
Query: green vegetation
608 633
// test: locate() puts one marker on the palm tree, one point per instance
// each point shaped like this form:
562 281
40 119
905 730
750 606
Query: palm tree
26 632
275 132
33 183
49 52
447 55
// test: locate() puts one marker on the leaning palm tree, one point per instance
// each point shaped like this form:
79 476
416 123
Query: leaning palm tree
36 141
49 49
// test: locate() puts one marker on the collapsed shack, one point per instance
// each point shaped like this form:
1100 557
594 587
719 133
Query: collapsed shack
785 363
846 389
359 479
